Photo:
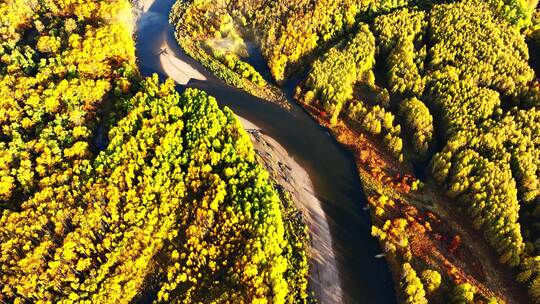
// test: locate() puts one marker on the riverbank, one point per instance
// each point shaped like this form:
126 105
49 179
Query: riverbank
287 173
164 47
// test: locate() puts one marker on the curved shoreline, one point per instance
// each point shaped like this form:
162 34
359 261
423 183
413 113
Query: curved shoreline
324 278
163 49
342 264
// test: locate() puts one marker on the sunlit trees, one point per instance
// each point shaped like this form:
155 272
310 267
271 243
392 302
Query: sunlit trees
397 34
332 78
290 30
472 39
518 12
431 279
175 206
483 161
53 79
419 122
412 286
459 72
463 293
175 200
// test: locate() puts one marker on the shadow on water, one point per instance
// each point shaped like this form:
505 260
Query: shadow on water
331 168
256 59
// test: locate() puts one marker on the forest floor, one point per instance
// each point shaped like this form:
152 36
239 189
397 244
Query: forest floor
287 173
439 237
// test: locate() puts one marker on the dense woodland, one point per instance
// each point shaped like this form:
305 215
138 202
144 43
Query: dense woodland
468 68
446 85
119 189
115 188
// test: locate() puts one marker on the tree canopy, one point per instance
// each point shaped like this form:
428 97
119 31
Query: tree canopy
119 189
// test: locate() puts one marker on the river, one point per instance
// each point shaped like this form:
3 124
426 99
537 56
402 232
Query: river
331 168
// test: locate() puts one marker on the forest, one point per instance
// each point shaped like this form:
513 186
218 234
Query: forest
115 188
446 88
119 188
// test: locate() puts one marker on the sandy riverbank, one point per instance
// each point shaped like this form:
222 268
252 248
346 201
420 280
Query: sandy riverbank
324 273
175 68
163 49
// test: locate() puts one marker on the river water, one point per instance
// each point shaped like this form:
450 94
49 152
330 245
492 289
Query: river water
364 279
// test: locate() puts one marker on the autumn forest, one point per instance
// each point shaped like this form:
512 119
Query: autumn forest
122 187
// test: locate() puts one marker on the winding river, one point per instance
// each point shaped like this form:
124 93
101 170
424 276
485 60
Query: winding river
331 169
